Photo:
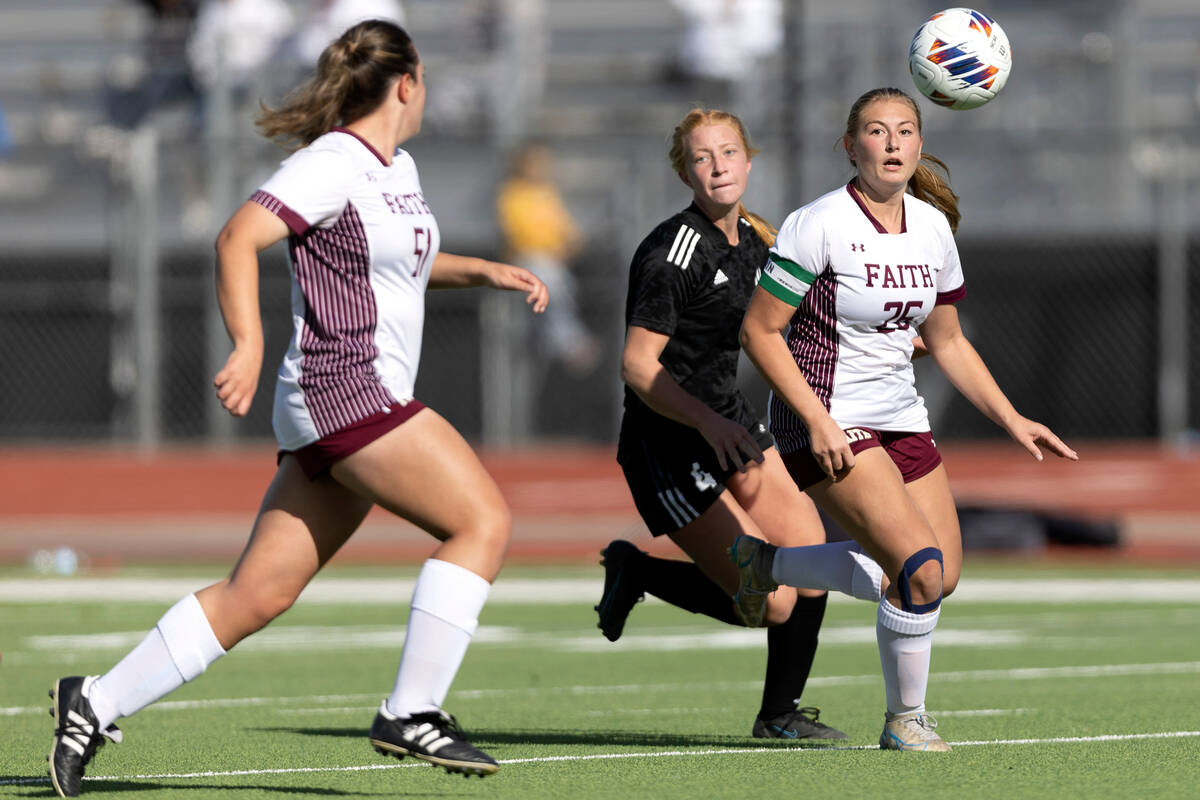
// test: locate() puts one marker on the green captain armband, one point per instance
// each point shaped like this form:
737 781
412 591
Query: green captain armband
786 279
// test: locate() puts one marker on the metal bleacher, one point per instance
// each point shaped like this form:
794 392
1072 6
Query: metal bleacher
54 62
1126 77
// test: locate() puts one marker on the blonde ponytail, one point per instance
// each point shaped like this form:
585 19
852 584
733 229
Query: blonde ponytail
765 230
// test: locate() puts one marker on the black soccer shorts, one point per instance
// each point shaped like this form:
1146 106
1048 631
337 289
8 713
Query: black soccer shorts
673 473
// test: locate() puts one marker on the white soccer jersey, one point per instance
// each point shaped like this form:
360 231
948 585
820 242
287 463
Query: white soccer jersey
362 243
860 292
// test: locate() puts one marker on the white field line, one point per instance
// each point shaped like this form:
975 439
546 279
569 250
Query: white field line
303 638
381 591
745 638
985 712
965 712
650 711
371 700
792 751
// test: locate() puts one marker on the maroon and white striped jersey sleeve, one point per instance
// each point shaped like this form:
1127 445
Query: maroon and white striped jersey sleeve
310 188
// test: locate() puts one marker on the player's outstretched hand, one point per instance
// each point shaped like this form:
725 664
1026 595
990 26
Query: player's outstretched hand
1030 434
237 381
731 442
519 279
831 448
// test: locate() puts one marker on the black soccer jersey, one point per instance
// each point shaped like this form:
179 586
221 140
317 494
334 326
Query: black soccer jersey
688 282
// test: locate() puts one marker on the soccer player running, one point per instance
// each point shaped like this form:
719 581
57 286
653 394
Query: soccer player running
850 277
688 434
364 248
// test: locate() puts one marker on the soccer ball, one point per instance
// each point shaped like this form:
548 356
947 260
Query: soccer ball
959 58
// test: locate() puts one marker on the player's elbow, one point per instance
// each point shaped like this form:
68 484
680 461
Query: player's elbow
225 238
629 370
636 372
744 338
748 336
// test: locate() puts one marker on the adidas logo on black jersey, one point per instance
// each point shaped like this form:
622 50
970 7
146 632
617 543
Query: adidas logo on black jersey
720 278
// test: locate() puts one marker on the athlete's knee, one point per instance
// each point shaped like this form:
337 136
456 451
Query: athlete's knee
490 527
779 607
950 578
919 582
254 606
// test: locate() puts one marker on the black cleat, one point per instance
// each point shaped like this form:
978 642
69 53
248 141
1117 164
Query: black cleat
799 724
622 589
76 734
432 736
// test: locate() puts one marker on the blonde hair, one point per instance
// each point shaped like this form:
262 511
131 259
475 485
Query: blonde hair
699 117
353 75
931 181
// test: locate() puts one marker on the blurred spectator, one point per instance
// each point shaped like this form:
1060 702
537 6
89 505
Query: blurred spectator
6 140
722 42
540 235
234 39
160 77
329 18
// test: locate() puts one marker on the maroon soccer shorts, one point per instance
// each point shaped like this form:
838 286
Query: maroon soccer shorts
322 454
914 454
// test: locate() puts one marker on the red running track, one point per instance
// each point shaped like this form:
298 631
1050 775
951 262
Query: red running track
119 505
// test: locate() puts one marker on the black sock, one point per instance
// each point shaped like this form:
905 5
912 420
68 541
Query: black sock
683 584
791 647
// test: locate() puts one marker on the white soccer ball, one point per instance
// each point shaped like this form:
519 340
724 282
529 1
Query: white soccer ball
960 58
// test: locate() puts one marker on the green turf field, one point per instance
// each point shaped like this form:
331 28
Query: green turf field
1095 693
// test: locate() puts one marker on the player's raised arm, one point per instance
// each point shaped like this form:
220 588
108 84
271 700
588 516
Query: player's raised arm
460 272
963 366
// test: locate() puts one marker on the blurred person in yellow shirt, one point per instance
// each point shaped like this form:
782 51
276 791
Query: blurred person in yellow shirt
540 234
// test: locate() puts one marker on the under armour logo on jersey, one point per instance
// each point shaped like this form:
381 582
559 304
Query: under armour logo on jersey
720 278
702 478
683 247
858 248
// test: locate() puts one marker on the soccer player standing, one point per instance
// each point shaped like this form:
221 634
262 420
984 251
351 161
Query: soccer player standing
364 248
850 277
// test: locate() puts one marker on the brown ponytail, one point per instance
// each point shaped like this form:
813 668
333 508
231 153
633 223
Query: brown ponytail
353 74
931 181
928 184
699 117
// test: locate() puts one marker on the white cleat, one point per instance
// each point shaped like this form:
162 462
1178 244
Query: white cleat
912 731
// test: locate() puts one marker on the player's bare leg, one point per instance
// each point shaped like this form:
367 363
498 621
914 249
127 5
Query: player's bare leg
425 472
707 540
872 503
932 495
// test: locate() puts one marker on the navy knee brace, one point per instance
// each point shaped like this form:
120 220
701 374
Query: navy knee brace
915 562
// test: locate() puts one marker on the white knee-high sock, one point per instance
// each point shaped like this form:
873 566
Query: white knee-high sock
836 566
905 641
445 612
179 648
